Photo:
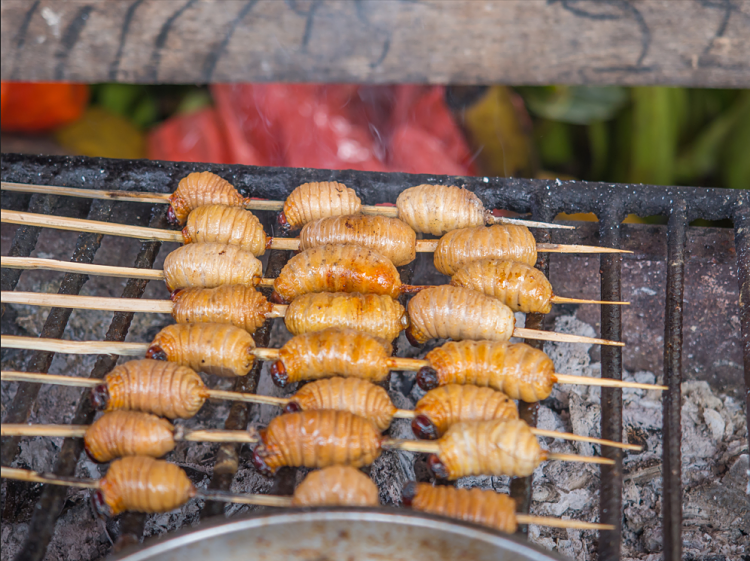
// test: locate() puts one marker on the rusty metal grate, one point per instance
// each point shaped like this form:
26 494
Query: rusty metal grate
543 199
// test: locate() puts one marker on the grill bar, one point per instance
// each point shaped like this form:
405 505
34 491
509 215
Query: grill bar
742 244
25 238
610 202
51 502
610 497
227 457
521 488
54 326
672 399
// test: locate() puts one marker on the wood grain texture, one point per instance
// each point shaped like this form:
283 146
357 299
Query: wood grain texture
628 42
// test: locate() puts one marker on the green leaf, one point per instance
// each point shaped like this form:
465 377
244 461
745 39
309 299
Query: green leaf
578 105
145 113
555 144
599 148
735 158
119 98
193 101
658 116
701 157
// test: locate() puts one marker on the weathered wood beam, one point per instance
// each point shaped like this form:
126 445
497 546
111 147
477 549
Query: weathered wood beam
687 43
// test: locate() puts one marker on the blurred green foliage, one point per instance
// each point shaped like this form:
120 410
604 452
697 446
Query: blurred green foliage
657 135
145 106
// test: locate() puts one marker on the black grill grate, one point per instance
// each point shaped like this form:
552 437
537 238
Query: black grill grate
543 199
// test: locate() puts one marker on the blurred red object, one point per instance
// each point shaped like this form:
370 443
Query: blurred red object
41 106
195 137
373 128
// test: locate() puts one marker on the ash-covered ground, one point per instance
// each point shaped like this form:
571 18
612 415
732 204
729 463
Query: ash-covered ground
714 445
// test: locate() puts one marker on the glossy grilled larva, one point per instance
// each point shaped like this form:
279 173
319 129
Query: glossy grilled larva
235 304
346 394
231 225
312 201
496 447
485 507
337 268
198 189
336 486
378 315
208 265
143 484
162 388
317 439
458 248
451 312
332 352
520 287
128 433
388 236
214 348
516 369
437 209
447 405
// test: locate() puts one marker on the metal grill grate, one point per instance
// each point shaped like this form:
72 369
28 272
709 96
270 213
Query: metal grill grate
543 199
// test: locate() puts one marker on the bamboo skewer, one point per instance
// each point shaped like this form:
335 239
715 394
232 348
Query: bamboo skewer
265 354
236 396
79 431
563 300
152 234
73 347
56 379
35 263
433 447
106 304
51 479
165 306
263 500
250 204
561 523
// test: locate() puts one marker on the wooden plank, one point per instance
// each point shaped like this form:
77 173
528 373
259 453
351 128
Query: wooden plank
689 43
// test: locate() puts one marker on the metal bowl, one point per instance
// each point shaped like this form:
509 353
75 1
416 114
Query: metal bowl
350 534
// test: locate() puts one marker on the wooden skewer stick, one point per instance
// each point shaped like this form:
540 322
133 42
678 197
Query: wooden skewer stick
107 304
248 499
165 306
265 354
250 204
564 300
37 477
263 500
74 347
562 337
72 431
79 431
581 459
580 438
35 263
433 447
561 523
249 398
51 479
142 233
604 382
56 379
76 381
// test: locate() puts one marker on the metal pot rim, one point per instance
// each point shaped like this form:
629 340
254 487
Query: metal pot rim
437 524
